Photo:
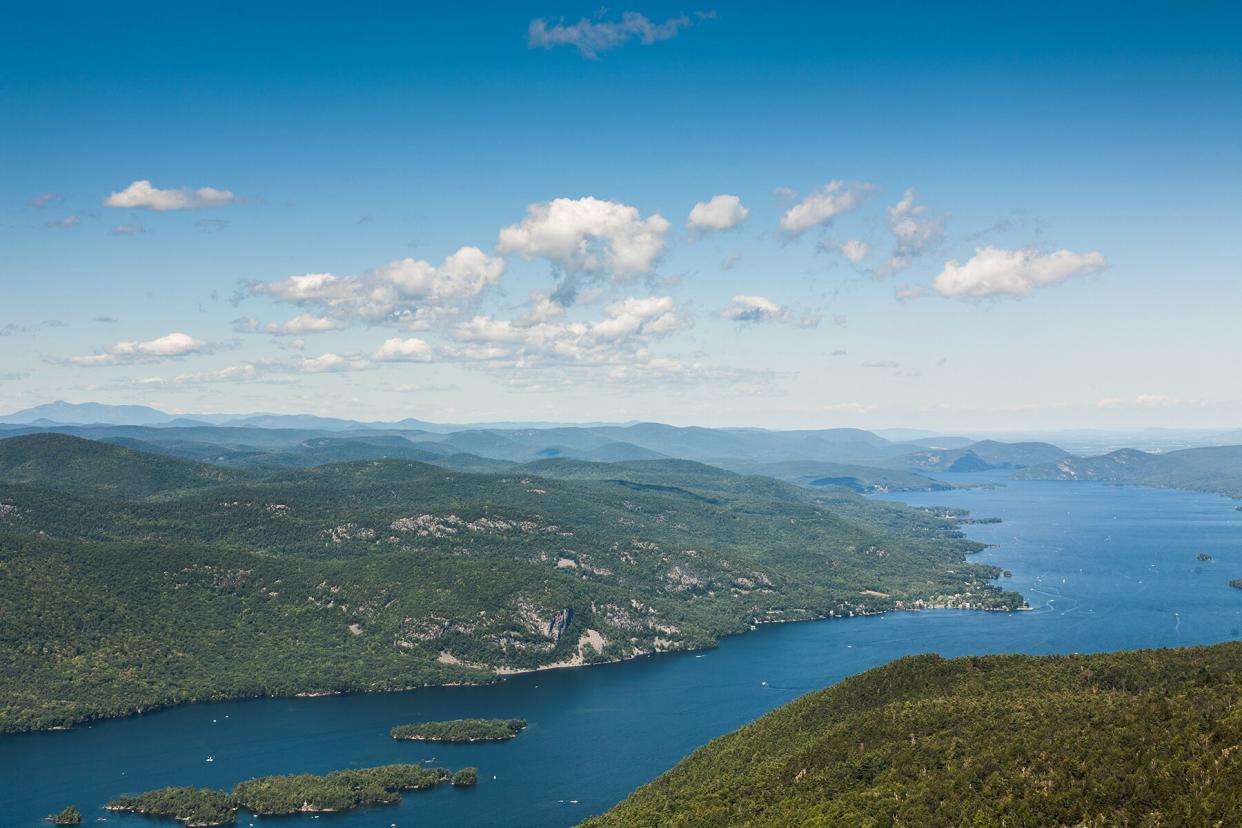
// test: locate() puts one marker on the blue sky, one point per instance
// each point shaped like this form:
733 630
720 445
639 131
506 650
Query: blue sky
1068 255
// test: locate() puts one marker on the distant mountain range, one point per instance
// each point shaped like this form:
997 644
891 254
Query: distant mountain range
1212 469
90 413
854 458
857 459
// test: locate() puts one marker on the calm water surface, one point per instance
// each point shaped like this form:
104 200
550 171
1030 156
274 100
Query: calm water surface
1103 568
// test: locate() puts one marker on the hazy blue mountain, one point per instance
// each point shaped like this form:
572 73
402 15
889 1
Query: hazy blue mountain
1212 469
983 455
82 413
818 474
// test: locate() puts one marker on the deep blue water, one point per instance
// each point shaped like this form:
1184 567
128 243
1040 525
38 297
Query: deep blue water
1103 568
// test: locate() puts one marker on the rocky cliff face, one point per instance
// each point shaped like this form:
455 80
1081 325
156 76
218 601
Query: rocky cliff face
559 623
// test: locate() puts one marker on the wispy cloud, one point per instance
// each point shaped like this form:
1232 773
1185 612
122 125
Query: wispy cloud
593 37
44 199
63 223
300 325
914 231
752 310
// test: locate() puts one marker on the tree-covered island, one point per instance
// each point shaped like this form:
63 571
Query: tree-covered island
69 816
341 790
466 777
460 730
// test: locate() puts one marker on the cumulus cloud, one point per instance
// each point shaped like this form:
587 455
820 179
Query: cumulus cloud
140 195
330 363
822 206
169 346
721 212
915 232
626 326
402 350
854 249
591 38
996 272
588 236
410 293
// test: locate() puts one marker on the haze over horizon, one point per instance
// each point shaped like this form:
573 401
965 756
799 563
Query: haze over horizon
693 215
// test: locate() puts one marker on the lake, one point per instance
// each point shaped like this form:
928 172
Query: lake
1103 568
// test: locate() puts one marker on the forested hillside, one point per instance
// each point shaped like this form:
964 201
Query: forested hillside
120 594
1211 469
1147 738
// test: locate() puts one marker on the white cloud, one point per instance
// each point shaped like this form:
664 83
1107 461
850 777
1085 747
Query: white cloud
821 207
300 325
402 350
169 346
406 292
331 364
63 223
245 372
722 212
591 38
994 271
305 323
588 235
915 232
128 230
854 249
140 195
625 326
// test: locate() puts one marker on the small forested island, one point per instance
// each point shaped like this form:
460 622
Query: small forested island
460 730
69 816
466 777
1134 738
341 790
1203 556
1236 583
